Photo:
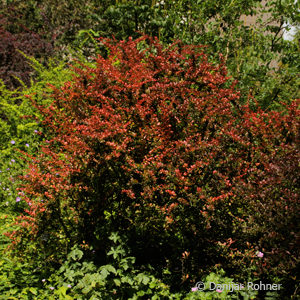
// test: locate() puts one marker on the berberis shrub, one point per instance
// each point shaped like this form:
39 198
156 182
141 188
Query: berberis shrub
15 70
151 142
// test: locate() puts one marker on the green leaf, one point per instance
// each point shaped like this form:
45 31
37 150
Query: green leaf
114 237
76 254
111 269
104 273
33 290
117 282
146 280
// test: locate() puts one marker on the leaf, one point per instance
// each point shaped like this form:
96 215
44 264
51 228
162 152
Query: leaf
33 290
152 285
114 237
146 280
111 269
76 254
104 273
117 282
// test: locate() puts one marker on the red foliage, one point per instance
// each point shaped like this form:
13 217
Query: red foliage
13 65
153 143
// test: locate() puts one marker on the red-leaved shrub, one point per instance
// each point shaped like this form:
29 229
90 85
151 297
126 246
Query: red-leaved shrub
13 65
152 142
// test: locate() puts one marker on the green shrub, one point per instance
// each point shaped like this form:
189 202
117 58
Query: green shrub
21 129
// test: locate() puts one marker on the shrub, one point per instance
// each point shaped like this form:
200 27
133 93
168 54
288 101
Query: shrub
151 142
14 68
20 128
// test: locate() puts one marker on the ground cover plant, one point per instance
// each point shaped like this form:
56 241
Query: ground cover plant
153 143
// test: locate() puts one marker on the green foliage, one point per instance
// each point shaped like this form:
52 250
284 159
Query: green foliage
82 279
18 279
218 286
21 128
116 280
264 64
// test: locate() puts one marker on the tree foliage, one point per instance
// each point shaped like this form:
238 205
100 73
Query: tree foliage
265 65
